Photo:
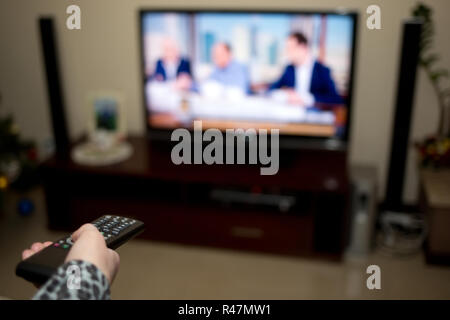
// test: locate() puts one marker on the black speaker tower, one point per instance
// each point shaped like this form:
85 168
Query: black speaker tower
54 89
403 110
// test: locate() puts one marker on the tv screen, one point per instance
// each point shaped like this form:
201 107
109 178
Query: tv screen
286 71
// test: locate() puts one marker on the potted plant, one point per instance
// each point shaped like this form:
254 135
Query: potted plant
434 151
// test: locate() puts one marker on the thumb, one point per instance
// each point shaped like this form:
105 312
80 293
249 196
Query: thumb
82 229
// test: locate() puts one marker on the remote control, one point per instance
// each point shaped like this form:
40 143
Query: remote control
41 265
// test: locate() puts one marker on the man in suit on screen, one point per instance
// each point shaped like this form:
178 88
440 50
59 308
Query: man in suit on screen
306 80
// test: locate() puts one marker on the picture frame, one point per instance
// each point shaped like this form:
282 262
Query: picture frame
106 118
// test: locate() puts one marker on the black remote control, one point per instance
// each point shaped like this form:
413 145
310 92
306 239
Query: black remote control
41 265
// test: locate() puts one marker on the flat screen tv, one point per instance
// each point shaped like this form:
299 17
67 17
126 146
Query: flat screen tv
291 71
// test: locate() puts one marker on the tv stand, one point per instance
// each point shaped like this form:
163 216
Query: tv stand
302 210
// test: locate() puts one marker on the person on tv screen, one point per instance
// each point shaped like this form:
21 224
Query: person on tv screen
228 72
307 81
173 67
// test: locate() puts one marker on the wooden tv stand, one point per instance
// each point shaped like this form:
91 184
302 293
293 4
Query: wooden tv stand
175 201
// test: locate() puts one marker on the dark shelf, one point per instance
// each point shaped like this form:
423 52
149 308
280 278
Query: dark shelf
176 205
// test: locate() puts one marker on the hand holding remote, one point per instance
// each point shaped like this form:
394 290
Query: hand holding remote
89 245
93 243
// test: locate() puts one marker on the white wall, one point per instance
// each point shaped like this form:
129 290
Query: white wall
104 54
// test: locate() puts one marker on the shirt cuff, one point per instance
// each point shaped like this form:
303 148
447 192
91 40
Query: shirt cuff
75 280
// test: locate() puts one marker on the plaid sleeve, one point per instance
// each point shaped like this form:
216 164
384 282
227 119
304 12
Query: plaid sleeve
75 280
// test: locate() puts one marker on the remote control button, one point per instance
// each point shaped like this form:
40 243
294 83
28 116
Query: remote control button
69 240
56 245
65 246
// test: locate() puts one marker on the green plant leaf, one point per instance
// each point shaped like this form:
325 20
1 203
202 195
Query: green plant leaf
430 59
427 29
425 43
438 74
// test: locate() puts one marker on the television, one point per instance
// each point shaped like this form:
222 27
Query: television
291 71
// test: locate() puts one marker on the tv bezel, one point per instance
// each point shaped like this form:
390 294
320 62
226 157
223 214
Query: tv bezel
286 140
